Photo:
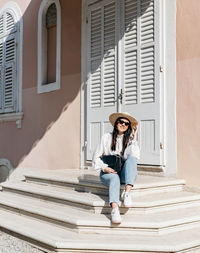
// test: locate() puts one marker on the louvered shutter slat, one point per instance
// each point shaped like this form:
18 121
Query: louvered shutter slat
102 56
109 57
1 77
1 25
96 33
147 75
1 90
130 78
135 48
7 63
10 23
1 53
9 91
95 49
147 21
95 56
95 84
147 55
10 50
130 54
130 23
109 84
9 79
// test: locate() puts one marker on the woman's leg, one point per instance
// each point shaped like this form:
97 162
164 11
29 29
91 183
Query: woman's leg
129 172
128 176
112 181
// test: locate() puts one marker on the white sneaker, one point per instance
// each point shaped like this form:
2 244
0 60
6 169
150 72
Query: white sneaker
122 195
126 197
115 215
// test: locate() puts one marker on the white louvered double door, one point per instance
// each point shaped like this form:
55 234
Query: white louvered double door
123 67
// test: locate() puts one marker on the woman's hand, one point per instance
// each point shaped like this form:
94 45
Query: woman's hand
134 132
109 170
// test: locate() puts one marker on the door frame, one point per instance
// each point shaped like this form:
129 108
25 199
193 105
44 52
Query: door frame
167 82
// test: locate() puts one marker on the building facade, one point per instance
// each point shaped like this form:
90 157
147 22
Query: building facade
65 66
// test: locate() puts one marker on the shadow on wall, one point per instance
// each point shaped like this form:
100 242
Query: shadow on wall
51 124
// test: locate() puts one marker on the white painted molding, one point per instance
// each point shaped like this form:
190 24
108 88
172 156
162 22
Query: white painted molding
15 10
41 88
12 117
83 80
169 41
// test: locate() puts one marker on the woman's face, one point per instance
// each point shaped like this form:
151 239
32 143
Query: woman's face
122 125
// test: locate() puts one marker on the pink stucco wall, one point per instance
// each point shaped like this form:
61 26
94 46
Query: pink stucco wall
188 90
50 133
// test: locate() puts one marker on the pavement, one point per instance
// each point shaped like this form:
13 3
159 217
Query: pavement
10 244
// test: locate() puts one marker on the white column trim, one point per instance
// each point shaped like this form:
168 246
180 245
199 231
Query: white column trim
169 63
83 81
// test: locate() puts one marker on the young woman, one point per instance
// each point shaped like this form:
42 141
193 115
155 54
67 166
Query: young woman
122 141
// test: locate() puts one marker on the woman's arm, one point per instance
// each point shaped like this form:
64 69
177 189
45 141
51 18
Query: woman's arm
133 148
97 163
135 132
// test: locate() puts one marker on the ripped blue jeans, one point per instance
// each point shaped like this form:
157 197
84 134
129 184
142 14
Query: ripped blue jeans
128 175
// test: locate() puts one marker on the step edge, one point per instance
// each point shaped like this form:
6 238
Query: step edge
63 245
97 184
53 195
41 211
99 203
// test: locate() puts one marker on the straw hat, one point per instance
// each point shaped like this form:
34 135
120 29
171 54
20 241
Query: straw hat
114 116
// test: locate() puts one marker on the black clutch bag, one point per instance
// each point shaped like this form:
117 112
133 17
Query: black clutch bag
115 162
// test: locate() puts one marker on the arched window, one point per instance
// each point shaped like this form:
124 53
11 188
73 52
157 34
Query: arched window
51 26
8 57
49 33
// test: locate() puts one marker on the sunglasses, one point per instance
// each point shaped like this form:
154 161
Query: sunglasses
120 121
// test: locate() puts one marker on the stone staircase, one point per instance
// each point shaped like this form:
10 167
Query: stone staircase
68 211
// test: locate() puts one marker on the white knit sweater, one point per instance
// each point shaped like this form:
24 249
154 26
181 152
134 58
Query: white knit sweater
104 148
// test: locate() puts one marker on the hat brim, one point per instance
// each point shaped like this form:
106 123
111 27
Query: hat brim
114 116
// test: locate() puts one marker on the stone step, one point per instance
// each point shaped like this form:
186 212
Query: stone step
81 221
88 181
99 204
69 197
56 239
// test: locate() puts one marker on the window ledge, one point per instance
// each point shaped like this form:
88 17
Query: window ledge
48 87
13 117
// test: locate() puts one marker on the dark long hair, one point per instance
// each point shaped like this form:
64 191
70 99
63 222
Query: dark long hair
126 136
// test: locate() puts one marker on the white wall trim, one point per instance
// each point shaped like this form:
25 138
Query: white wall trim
41 88
15 10
18 116
83 80
169 40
